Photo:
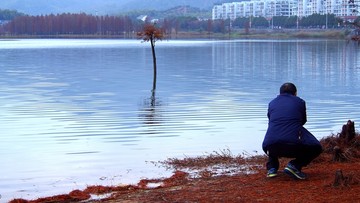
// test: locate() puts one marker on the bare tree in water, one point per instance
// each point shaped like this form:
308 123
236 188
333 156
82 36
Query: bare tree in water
355 35
152 34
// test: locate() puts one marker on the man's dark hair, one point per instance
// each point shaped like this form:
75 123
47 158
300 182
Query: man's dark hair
288 88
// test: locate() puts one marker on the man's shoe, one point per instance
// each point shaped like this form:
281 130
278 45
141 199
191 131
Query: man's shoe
271 173
292 171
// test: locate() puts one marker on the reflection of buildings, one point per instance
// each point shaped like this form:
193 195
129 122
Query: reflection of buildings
269 8
328 62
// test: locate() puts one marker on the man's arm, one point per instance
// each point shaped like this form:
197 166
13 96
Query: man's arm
304 119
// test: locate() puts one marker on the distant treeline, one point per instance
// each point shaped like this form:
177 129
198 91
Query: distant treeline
68 24
6 14
312 21
84 24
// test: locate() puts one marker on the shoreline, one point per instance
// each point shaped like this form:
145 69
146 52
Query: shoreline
236 34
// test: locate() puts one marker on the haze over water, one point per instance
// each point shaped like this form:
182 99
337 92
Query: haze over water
78 112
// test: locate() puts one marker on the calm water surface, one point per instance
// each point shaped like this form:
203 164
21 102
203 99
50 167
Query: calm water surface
78 112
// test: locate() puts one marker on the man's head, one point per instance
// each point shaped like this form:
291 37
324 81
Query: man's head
288 88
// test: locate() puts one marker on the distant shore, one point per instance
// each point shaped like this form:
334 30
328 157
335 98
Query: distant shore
235 34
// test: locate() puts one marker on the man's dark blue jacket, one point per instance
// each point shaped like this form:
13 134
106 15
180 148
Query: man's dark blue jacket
287 115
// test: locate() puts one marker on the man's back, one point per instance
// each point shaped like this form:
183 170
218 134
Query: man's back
287 115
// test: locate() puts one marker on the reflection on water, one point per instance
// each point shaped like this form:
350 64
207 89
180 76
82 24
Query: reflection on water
80 112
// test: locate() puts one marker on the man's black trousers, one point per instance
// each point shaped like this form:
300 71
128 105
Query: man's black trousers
302 154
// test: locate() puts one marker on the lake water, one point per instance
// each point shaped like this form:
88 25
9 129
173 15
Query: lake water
78 112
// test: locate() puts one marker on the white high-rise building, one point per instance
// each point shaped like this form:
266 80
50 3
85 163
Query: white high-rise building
301 8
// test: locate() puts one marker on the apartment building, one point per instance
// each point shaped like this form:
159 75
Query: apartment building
301 8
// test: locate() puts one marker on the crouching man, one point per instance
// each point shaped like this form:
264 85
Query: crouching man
286 136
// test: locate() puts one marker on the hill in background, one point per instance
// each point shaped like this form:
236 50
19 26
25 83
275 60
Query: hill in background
101 7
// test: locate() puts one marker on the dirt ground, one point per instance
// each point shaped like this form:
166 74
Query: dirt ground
333 177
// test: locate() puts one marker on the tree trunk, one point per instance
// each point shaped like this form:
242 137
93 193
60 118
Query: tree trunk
342 151
154 63
339 178
348 131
